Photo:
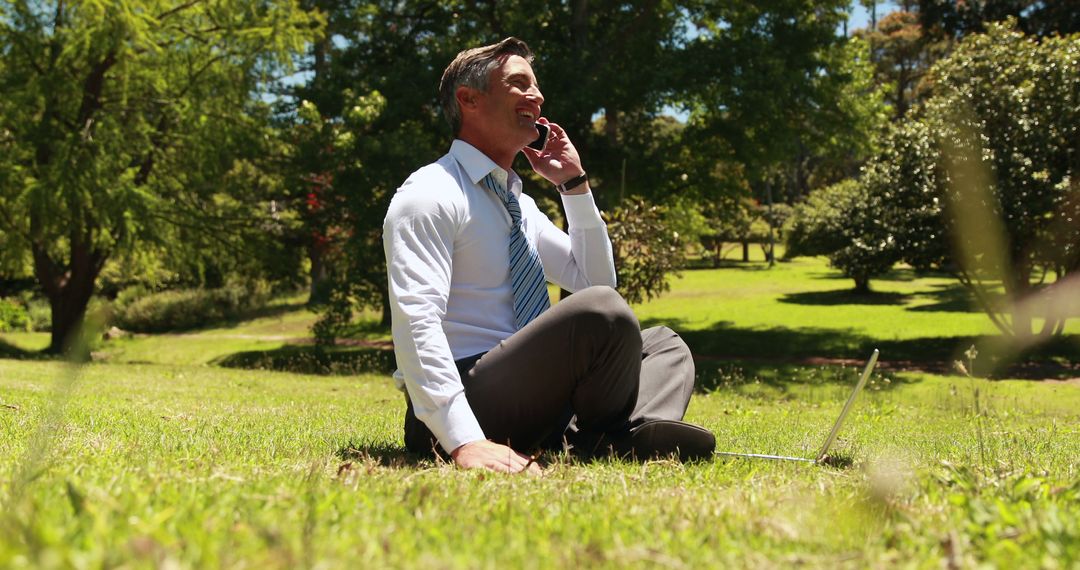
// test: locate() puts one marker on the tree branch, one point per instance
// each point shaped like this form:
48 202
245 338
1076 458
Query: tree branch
176 10
984 302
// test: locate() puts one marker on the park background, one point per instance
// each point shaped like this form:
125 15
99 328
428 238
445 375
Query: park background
193 322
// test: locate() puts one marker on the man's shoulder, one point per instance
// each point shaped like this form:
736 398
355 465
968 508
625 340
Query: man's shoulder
442 172
435 187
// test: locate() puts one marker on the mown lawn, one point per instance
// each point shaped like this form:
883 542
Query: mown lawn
136 460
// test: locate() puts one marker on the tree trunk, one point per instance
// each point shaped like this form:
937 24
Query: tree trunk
746 251
319 291
862 284
68 289
772 234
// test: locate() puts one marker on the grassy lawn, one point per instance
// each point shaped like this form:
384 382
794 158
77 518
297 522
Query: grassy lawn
156 456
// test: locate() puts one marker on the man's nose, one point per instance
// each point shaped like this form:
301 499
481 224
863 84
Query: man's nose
534 93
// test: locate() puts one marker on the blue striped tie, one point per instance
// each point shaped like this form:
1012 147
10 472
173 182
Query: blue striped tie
526 272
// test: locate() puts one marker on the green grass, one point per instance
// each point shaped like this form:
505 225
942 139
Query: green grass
154 456
802 309
153 464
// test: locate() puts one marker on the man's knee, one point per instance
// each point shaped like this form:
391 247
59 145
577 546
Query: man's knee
604 307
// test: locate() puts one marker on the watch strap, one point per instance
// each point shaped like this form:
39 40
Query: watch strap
572 183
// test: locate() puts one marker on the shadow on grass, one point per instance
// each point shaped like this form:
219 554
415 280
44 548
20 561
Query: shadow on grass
10 351
314 359
381 453
713 376
845 297
946 299
952 298
725 341
902 274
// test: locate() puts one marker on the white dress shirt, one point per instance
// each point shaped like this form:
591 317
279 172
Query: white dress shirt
446 240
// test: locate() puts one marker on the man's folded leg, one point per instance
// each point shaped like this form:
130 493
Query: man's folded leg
667 382
583 354
585 359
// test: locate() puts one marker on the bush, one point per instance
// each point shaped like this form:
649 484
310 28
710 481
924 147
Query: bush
843 222
13 317
40 315
646 249
138 311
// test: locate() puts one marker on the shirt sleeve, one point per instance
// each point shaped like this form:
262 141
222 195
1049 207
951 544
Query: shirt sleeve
418 240
583 257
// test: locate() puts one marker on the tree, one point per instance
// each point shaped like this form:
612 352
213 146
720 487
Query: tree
1006 112
953 19
845 223
789 101
990 166
902 54
122 121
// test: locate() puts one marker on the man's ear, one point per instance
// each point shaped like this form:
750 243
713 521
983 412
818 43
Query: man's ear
467 97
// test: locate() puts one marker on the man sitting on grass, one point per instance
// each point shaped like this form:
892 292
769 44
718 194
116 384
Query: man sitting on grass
492 371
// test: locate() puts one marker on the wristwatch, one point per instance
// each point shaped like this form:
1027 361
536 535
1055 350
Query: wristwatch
572 183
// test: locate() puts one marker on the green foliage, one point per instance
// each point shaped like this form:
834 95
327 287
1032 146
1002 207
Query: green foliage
13 316
646 249
953 19
902 56
684 216
782 95
845 223
187 309
40 315
990 165
133 121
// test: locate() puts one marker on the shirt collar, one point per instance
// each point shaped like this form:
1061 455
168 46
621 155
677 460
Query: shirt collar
477 165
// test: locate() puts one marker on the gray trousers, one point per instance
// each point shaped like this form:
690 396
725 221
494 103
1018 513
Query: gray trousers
581 369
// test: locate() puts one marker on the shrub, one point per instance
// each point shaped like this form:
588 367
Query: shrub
842 222
13 316
40 315
646 249
187 309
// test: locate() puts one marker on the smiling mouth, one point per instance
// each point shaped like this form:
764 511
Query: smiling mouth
527 114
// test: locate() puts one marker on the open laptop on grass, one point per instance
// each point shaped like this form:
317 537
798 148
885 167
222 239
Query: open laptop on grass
823 454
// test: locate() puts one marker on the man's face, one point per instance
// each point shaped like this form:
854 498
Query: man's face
511 105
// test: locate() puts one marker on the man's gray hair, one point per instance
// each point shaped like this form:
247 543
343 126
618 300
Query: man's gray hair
472 68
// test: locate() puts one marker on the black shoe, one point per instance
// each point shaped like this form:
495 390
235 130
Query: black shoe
656 439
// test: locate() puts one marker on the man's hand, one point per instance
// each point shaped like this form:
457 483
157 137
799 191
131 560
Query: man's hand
559 161
485 454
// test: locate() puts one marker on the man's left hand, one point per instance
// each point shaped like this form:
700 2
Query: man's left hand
559 161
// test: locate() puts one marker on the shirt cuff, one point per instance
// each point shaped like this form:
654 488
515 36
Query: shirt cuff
455 424
581 211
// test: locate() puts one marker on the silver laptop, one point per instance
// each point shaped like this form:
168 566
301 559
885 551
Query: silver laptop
823 454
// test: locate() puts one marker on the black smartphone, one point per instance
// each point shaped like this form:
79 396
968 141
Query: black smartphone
541 141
